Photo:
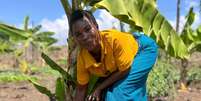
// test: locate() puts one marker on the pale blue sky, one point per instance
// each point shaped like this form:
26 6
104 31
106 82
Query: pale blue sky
50 13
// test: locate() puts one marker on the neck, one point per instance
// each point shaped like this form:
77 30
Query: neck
96 54
97 50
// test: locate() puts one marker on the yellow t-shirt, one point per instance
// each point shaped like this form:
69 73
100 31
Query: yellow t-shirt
117 53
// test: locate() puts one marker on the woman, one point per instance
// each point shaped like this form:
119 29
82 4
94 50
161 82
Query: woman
123 59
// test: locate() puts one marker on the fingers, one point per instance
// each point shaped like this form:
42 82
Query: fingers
93 98
89 97
97 99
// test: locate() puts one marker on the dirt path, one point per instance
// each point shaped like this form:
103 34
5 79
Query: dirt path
20 92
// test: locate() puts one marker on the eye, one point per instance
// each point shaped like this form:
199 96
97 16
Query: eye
88 29
77 34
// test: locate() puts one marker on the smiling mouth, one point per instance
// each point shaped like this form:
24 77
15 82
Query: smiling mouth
88 44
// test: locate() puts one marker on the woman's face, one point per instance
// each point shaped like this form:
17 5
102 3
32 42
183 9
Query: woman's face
86 34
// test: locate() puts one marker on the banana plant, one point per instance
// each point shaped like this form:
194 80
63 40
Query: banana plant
61 83
23 39
6 45
192 39
144 14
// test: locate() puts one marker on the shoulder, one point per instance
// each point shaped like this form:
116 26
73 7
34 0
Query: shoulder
115 34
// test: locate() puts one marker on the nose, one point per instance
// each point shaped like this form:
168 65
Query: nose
84 37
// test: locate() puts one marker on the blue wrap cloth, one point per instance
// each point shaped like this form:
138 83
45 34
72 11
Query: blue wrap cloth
133 86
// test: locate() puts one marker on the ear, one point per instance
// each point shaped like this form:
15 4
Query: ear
97 26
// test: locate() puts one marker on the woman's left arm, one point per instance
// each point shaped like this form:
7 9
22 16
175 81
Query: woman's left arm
118 75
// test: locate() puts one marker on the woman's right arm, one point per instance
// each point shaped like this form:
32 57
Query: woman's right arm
80 92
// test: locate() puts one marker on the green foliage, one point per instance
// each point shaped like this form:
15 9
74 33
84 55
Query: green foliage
5 47
27 38
194 74
56 67
161 80
62 82
45 70
15 77
62 61
43 90
143 13
60 89
92 83
14 33
192 38
59 94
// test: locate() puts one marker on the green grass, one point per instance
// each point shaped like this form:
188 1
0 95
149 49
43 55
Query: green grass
14 76
17 76
45 70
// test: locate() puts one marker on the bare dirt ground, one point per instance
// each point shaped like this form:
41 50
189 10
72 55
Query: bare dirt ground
25 91
20 92
189 96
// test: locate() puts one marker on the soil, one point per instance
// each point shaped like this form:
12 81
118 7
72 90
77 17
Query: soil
20 92
194 95
25 91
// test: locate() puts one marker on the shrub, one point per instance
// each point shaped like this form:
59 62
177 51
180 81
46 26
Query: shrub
194 74
161 80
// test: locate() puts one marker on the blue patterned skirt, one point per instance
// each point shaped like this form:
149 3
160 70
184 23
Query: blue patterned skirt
133 86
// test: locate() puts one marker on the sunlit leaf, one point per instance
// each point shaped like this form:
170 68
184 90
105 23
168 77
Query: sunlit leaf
144 13
13 32
42 89
92 84
60 89
56 67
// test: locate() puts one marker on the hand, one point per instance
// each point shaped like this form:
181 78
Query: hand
95 96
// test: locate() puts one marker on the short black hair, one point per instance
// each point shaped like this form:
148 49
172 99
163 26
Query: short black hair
79 14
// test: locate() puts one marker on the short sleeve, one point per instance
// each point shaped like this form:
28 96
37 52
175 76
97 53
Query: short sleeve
125 48
82 72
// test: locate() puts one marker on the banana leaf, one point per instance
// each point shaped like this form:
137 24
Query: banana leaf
60 90
68 78
144 13
43 90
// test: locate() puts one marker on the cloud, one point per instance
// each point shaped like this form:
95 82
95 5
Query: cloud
188 4
191 3
197 21
106 21
196 5
59 26
181 23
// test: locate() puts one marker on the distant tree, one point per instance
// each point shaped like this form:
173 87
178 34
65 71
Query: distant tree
24 41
